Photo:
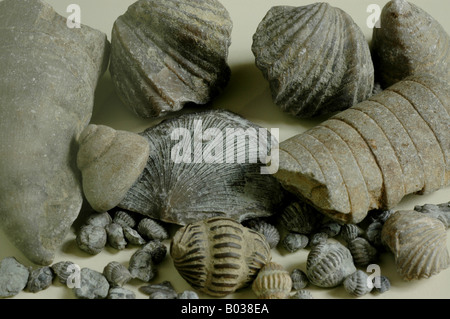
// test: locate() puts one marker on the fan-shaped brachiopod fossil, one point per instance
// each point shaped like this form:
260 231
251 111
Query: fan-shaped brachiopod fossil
315 57
218 255
373 154
48 76
168 53
220 175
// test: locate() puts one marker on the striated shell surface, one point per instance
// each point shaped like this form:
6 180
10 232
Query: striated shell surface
218 256
418 242
328 264
362 251
373 154
201 166
315 57
272 282
117 274
165 54
357 284
299 217
409 41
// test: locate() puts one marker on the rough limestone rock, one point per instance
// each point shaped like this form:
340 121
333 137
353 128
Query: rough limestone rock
48 76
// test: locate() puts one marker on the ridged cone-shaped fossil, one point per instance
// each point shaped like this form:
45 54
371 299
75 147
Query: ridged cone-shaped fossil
110 161
315 57
199 165
409 41
169 53
218 255
418 242
48 76
373 154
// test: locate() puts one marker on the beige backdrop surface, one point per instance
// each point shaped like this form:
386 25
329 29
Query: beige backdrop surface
247 94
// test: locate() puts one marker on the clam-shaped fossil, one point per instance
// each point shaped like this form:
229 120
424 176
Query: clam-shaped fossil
409 41
272 282
218 256
315 58
200 165
168 53
419 244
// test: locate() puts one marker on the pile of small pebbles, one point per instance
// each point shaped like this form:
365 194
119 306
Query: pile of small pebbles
118 229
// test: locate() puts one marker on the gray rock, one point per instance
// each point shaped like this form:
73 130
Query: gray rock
40 279
93 285
13 277
299 279
120 293
91 239
163 290
293 242
48 77
188 294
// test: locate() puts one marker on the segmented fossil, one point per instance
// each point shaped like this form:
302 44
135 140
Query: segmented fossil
272 282
373 154
168 53
315 57
218 255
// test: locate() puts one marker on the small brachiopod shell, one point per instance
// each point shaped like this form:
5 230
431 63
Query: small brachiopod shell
331 228
165 54
64 269
409 41
115 236
99 219
188 294
302 294
163 290
381 284
141 265
156 249
357 284
151 229
328 264
362 251
218 255
299 279
318 238
315 57
91 239
299 217
93 285
440 211
419 244
40 279
132 236
268 230
124 219
350 232
120 293
272 282
373 233
116 274
293 242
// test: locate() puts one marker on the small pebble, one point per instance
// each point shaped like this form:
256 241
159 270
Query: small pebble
120 293
124 219
13 277
93 285
141 265
302 294
299 279
294 242
188 294
40 279
115 236
91 239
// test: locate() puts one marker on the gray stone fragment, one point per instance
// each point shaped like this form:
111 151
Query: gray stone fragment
188 294
115 236
13 277
299 279
293 242
91 239
40 279
120 293
93 285
48 78
163 290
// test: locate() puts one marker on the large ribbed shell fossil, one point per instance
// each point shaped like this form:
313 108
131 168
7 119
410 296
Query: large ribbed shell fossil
218 255
200 185
419 244
168 53
315 58
373 154
409 42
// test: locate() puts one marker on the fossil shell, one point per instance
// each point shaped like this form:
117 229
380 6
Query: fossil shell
115 236
302 294
40 279
350 232
99 219
381 284
142 263
272 282
91 239
93 285
117 274
63 270
418 242
110 162
440 211
163 290
362 251
48 74
151 229
218 256
184 180
124 219
294 241
328 264
357 284
315 57
269 231
299 279
371 155
120 293
299 217
165 54
409 42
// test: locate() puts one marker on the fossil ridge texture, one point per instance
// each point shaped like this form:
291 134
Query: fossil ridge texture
49 73
418 242
203 165
409 41
169 53
218 255
315 57
373 154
